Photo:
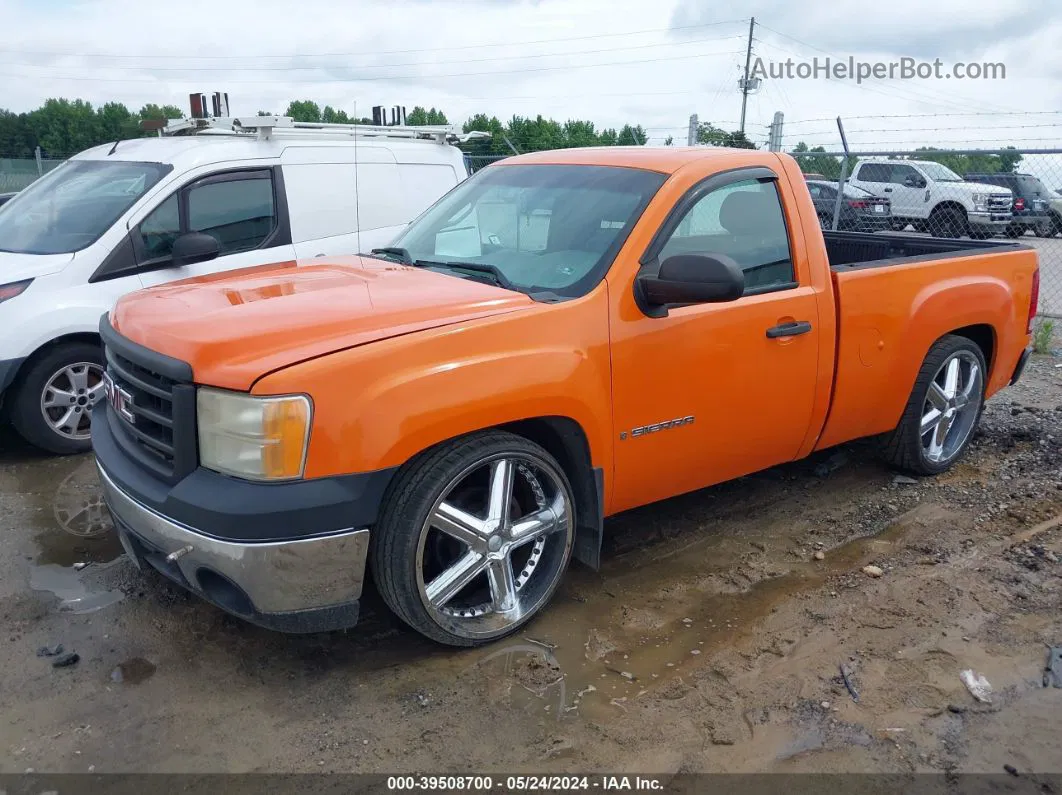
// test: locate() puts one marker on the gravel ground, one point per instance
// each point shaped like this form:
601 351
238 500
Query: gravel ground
713 638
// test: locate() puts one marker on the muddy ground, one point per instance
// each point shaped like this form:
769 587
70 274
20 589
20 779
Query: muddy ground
711 640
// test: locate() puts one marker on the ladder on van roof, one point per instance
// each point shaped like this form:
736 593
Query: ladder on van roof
268 127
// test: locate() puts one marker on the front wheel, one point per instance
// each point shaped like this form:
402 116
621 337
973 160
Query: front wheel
474 538
948 222
54 395
943 409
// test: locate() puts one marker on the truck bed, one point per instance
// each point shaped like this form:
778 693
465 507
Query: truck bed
897 294
849 250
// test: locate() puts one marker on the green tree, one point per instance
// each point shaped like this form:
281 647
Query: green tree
16 137
304 110
827 165
62 127
632 136
153 111
962 165
419 117
708 133
332 116
668 141
117 123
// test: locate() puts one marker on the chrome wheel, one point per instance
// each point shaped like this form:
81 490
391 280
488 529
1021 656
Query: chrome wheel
951 407
494 545
67 397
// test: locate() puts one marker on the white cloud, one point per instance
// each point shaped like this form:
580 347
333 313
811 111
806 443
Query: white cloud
469 56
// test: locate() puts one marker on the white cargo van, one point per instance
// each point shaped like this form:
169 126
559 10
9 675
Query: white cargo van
217 195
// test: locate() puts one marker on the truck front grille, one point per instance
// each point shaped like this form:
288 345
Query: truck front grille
1000 202
151 414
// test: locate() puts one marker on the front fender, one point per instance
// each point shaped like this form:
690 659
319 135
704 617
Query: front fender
379 405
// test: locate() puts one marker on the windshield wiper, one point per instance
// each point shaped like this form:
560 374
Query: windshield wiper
492 271
394 251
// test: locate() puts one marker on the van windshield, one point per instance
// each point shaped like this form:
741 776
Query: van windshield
69 208
550 229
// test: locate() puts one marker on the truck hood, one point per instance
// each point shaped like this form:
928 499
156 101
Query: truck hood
235 327
15 267
981 187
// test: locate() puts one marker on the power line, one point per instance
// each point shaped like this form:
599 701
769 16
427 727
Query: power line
156 56
385 77
141 68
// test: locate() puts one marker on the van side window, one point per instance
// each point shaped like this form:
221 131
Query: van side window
161 228
238 213
744 221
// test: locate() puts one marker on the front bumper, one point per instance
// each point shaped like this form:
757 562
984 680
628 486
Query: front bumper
299 585
8 370
991 219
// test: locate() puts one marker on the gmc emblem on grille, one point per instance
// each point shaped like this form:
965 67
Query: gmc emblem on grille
119 399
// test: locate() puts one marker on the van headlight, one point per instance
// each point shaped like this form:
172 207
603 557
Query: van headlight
257 438
980 202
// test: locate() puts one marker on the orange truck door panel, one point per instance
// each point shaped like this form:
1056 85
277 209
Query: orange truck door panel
751 397
710 392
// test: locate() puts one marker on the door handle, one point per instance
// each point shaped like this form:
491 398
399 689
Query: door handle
888 190
789 329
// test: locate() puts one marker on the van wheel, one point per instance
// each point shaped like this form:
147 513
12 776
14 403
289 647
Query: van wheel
54 395
948 222
474 538
943 410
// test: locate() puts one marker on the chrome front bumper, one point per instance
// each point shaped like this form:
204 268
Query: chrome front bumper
301 585
990 218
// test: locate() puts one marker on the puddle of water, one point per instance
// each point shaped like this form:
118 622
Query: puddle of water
133 671
643 627
80 541
70 589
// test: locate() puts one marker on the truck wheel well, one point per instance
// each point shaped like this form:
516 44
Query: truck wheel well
983 336
564 439
948 205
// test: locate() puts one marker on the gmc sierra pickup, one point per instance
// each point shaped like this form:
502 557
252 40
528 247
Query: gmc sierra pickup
564 336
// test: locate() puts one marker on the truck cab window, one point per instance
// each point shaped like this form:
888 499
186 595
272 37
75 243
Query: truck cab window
744 221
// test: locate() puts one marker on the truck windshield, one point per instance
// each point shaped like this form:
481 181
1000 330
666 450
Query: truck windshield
538 228
939 173
70 208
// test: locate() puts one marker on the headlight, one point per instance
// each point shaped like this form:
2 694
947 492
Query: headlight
258 438
13 289
980 202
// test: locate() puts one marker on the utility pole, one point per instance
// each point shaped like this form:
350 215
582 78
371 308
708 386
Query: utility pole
745 79
691 137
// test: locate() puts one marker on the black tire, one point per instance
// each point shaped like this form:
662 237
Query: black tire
825 221
27 415
1014 230
395 541
904 446
948 222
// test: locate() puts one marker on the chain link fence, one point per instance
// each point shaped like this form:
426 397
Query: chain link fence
1006 194
17 173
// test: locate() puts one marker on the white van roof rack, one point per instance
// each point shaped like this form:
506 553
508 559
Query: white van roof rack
267 127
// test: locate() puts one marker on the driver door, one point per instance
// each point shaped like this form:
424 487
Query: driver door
908 199
742 392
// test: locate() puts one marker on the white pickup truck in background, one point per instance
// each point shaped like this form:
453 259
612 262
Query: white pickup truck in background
209 196
932 198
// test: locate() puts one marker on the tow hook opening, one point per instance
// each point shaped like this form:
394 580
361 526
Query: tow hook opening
223 592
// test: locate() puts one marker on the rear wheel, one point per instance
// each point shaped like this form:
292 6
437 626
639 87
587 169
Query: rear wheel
943 409
54 396
475 538
1014 230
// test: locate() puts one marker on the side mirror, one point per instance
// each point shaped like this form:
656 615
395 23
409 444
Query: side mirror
690 279
193 247
914 182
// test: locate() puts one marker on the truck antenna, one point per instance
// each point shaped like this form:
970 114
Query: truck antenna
357 193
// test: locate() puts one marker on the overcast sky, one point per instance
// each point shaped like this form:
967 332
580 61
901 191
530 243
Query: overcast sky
610 61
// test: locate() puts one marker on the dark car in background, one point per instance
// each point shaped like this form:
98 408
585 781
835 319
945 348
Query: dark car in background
861 211
1033 210
5 198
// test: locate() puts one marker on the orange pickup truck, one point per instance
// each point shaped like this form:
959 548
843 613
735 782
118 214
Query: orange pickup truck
564 336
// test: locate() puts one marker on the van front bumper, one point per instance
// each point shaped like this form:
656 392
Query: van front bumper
991 219
296 585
